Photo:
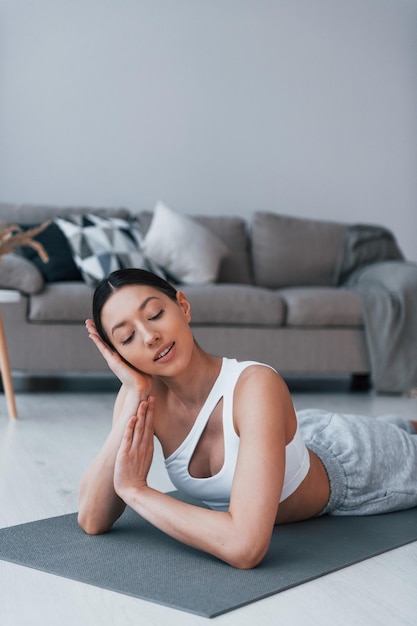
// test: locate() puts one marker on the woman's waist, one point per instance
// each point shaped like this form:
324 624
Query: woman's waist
309 498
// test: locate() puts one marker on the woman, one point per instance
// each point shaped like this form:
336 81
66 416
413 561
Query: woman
229 434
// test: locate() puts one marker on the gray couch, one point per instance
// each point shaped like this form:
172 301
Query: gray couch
276 300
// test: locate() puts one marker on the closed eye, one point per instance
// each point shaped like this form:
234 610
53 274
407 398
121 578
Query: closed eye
151 319
157 316
128 340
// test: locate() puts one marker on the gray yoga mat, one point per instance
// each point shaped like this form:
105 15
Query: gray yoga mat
138 560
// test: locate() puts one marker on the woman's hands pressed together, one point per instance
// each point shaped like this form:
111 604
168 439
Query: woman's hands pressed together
135 454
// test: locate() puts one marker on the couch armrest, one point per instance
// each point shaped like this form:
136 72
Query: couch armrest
18 273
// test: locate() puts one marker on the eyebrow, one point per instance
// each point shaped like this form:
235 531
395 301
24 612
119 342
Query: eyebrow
142 306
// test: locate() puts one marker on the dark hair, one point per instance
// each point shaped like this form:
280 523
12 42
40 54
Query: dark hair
122 278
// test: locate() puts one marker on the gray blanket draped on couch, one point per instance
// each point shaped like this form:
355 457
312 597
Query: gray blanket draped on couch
388 291
373 265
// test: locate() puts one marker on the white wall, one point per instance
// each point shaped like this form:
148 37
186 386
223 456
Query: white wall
305 107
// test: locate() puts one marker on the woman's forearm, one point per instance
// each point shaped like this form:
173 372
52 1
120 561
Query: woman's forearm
99 505
218 533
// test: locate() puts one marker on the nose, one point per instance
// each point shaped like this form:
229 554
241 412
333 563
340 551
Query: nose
150 336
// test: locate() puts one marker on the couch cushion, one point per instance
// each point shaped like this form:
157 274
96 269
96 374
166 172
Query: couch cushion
18 273
289 251
62 302
321 306
236 266
235 305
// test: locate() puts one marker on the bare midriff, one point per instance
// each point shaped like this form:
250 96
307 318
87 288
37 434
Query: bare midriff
311 496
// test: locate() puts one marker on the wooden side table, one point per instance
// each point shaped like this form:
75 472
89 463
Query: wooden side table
7 296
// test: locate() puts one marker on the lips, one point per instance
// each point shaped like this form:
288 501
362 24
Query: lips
163 353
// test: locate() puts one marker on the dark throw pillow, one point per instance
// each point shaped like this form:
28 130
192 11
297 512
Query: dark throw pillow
60 266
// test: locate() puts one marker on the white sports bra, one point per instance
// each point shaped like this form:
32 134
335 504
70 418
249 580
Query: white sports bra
215 491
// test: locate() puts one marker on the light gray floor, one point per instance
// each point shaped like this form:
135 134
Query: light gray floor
42 456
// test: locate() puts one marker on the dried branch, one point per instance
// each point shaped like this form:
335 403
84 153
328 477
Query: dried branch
12 236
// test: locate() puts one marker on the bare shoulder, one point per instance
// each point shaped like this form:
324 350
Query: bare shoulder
261 393
258 377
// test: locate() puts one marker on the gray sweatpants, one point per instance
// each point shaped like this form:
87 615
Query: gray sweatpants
371 462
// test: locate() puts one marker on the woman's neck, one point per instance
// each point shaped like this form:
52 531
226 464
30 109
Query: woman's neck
193 385
179 400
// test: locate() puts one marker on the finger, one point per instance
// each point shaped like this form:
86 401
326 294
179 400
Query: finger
146 408
90 326
139 424
91 329
129 433
103 348
93 334
143 435
148 429
150 412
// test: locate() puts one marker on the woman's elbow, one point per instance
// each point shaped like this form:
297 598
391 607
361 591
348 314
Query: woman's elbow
91 526
248 556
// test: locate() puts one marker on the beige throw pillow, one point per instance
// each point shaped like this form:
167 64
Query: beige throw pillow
190 253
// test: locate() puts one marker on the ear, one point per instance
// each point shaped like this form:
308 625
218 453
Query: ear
184 305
